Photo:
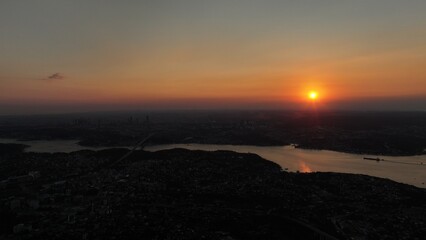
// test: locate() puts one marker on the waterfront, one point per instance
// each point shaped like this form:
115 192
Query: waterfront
303 160
51 146
405 169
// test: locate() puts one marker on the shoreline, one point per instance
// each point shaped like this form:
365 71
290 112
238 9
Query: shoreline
291 160
295 145
201 191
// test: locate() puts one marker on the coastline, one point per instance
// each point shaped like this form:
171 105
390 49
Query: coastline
300 160
209 192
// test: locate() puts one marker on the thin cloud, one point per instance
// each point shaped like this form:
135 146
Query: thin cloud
55 76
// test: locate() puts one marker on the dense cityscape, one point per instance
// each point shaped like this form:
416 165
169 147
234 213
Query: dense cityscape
119 193
215 120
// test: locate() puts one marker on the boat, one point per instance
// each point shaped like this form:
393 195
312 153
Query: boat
373 159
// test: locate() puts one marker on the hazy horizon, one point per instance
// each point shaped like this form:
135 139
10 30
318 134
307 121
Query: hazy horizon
61 56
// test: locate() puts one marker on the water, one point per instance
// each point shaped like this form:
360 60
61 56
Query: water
288 157
65 146
295 159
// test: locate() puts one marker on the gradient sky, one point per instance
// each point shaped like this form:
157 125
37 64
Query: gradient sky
80 55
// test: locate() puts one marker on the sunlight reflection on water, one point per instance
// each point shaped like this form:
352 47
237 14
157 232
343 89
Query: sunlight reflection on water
288 157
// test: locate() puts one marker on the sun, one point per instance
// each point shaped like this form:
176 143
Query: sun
313 95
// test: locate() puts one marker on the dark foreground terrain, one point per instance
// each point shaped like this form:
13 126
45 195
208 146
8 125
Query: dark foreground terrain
378 133
182 194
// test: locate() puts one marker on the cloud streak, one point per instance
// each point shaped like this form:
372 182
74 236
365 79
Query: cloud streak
55 76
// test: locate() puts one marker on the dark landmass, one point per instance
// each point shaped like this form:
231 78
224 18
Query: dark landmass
182 194
378 133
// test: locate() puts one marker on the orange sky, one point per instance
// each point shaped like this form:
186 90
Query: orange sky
212 54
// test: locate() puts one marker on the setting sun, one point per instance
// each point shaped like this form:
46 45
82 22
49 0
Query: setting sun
313 95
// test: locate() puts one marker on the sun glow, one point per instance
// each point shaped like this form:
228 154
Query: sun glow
313 95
